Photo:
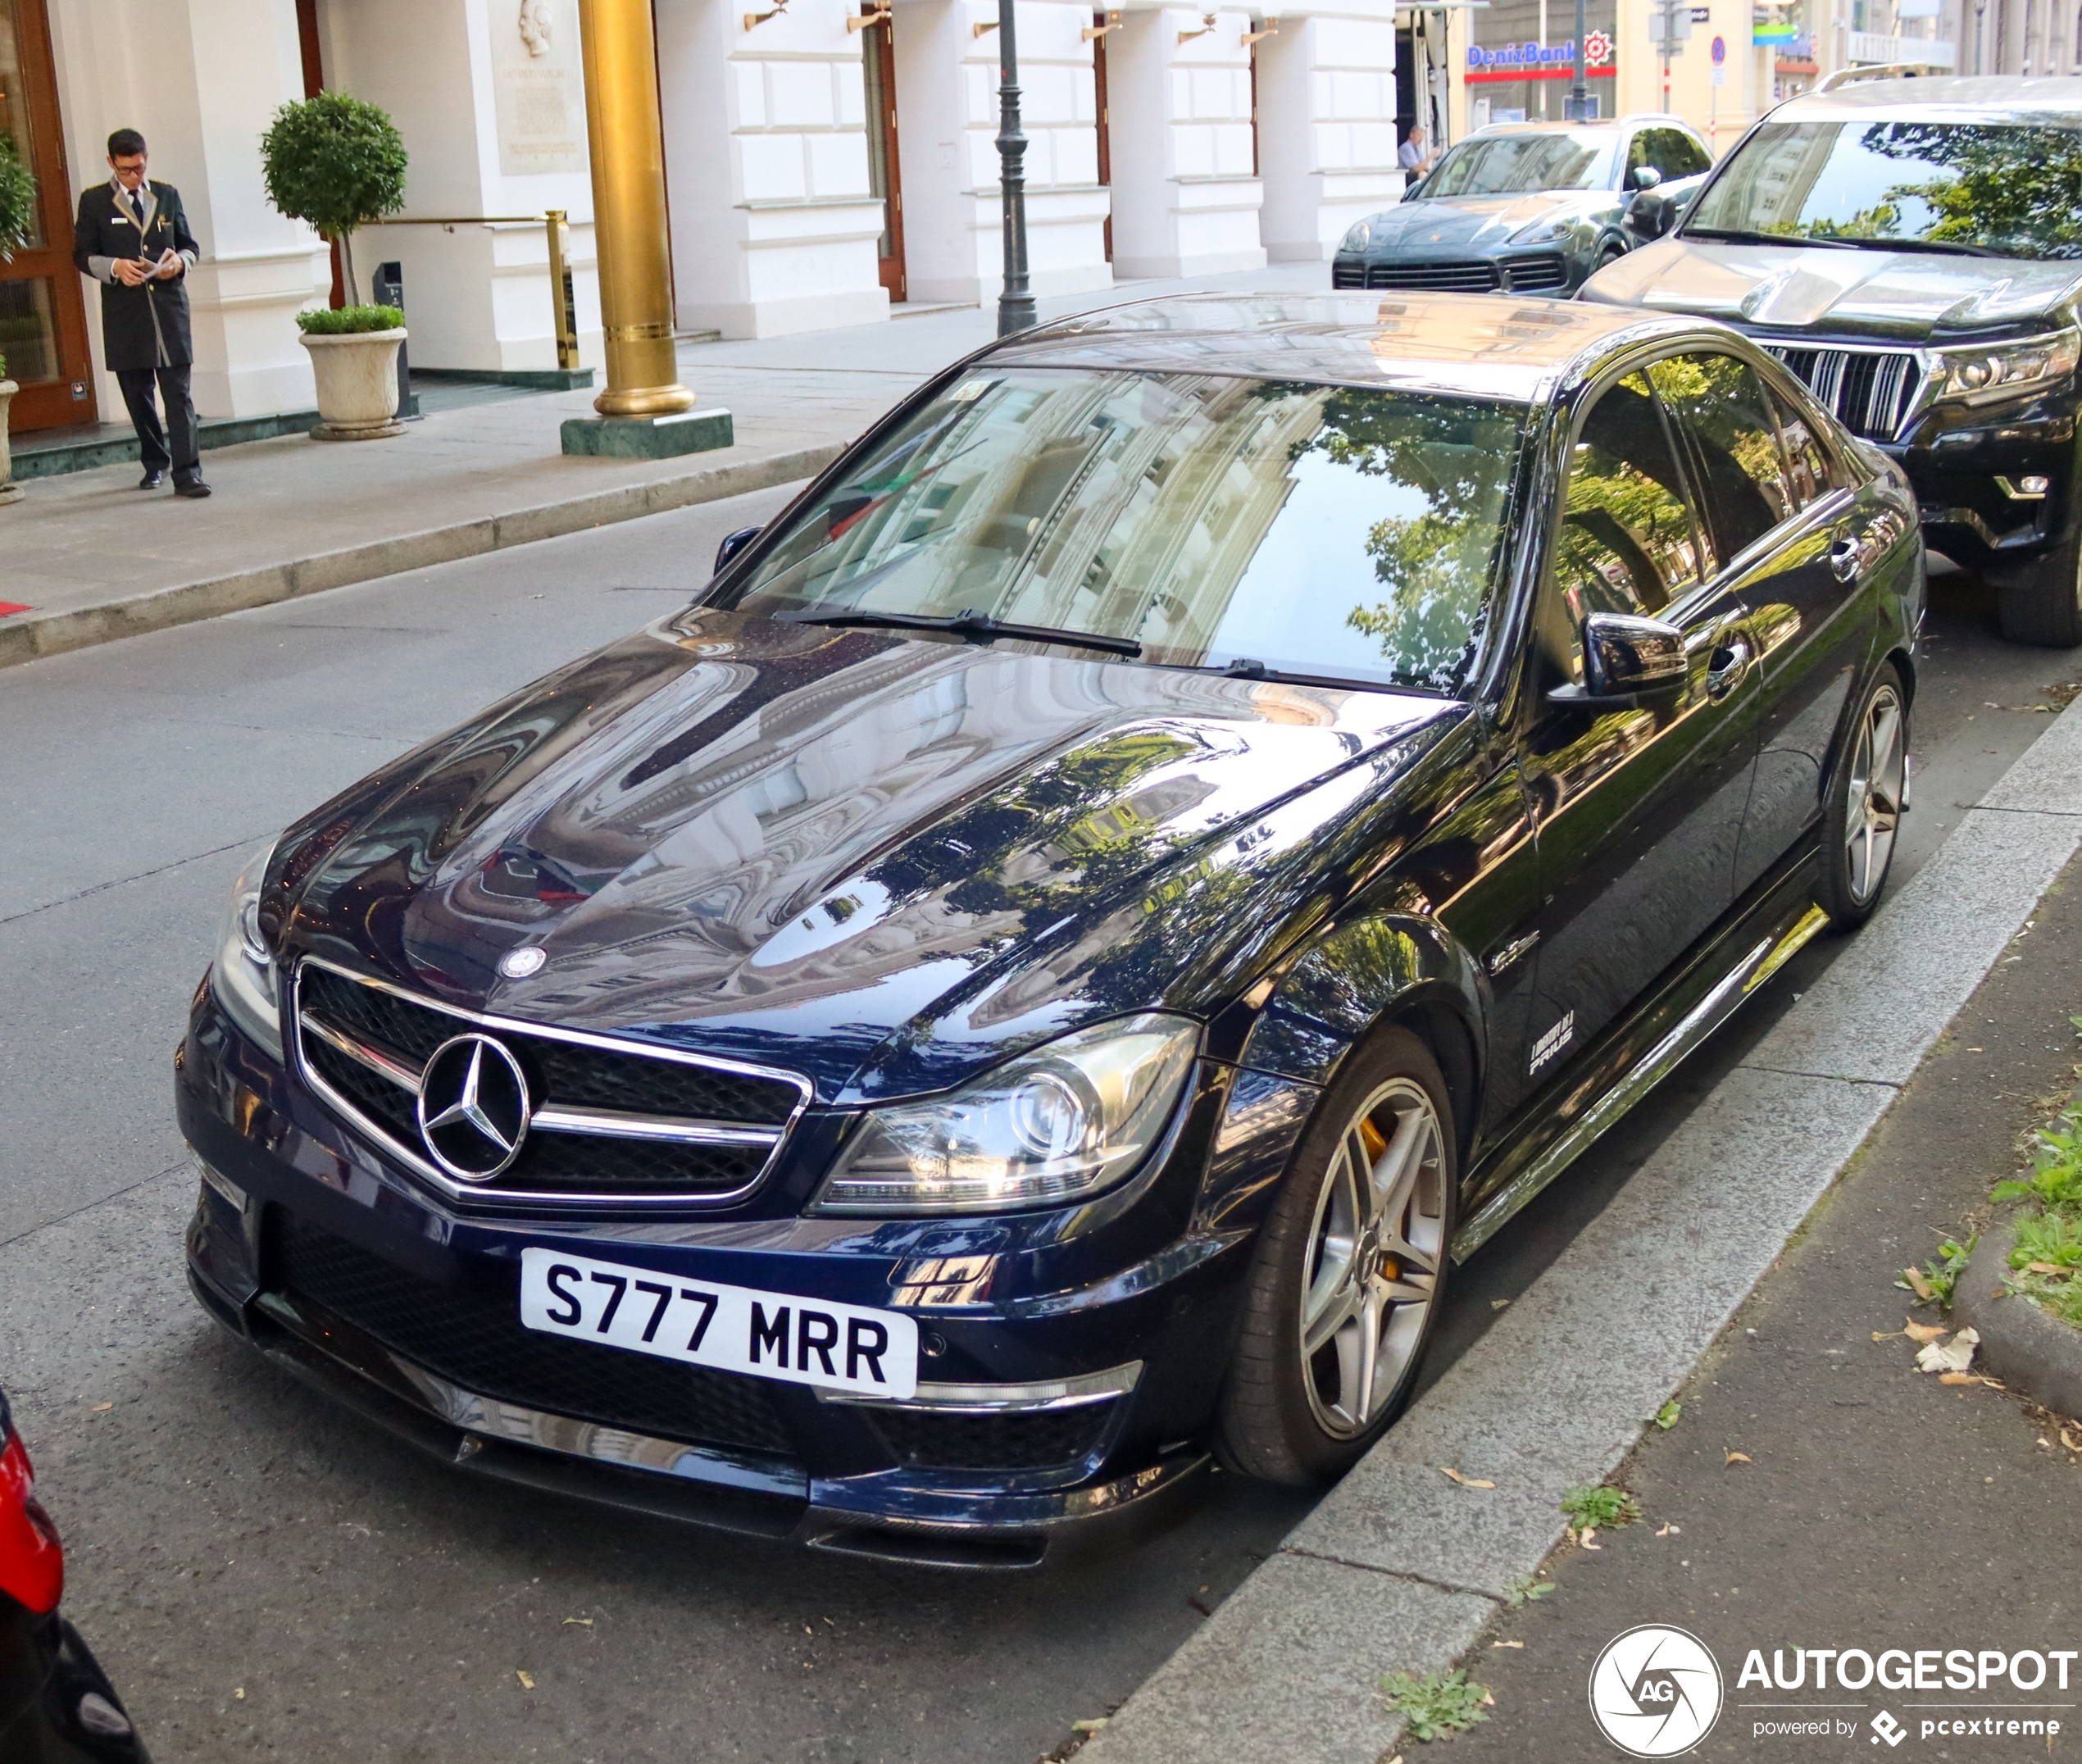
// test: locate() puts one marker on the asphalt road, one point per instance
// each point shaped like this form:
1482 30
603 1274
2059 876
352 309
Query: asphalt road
269 1577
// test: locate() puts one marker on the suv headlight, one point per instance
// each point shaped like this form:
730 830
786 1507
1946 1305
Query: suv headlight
1357 238
1056 1125
1996 372
243 974
1543 232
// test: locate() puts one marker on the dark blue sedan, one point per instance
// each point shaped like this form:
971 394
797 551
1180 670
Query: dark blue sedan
1030 980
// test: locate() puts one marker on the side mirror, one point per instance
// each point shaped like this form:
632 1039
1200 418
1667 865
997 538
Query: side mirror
1651 213
1628 661
733 544
1647 177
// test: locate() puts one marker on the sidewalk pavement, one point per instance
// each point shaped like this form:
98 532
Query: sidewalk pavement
1404 1565
92 559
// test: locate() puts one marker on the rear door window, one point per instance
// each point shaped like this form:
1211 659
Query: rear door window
1719 405
1813 471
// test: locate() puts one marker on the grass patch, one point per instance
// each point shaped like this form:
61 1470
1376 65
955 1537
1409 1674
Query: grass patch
2046 1265
1436 1704
1600 1509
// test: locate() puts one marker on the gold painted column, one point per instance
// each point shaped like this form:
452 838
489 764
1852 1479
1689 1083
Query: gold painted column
629 219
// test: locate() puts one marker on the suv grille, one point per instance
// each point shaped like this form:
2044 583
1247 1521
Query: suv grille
1540 275
1426 278
1869 391
609 1123
474 1339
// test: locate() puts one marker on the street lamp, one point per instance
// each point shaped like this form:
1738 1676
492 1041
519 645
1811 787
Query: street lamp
1577 109
1015 300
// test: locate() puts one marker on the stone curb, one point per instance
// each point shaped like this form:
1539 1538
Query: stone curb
1401 1567
2028 1350
55 632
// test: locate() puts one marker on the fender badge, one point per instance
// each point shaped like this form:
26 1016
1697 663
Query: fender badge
1554 1041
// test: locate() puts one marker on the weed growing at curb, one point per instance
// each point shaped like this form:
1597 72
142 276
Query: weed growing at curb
2046 1265
1436 1704
1934 1282
1599 1509
1526 1589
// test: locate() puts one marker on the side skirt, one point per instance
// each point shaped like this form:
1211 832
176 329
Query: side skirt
1704 994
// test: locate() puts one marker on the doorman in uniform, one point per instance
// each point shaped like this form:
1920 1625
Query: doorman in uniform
133 238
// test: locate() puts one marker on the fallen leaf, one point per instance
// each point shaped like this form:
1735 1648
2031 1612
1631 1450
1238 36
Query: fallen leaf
1892 1335
1738 1458
1507 1644
1958 1378
586 1621
240 1694
526 1682
1489 1702
1954 1356
101 1408
1091 1726
1586 1534
1499 1304
1917 1331
1466 1482
1917 1284
1665 1418
2046 1267
1670 1531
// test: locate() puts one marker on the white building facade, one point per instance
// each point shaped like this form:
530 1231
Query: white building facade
827 162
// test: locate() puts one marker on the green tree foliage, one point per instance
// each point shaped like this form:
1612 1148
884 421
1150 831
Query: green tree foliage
17 200
335 162
2012 188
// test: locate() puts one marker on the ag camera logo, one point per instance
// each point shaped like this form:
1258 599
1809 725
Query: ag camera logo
1655 1691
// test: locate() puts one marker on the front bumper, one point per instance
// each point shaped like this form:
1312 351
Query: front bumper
1969 468
315 1249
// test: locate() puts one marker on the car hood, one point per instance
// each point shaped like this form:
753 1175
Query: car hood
797 843
1479 222
1902 296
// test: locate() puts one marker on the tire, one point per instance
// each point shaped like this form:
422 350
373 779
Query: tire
1290 1416
1866 791
2039 601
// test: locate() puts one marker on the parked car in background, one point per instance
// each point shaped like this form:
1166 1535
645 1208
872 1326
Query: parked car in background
56 1705
1521 207
1034 976
1912 249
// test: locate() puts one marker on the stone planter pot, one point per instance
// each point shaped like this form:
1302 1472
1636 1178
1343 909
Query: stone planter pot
10 491
357 385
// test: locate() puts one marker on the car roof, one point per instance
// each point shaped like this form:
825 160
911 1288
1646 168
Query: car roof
1487 346
1981 98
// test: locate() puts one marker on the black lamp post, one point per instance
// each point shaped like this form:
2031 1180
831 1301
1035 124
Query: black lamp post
1015 302
1578 108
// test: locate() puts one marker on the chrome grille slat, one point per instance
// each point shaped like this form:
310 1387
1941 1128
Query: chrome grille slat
1870 391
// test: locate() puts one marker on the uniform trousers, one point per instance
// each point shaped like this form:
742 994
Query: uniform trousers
174 444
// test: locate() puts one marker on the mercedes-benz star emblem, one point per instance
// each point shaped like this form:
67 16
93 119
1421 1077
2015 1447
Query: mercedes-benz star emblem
518 964
473 1107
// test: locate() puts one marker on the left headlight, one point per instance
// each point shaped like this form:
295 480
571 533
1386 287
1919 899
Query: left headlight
1357 238
242 974
1058 1124
1994 372
1544 232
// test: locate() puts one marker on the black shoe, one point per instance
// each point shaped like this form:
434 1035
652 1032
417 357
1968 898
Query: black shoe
191 487
151 479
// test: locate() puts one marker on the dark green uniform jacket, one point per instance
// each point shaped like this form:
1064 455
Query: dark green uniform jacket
140 327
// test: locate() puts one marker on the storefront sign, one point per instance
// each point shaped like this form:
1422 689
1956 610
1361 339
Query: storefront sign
1540 61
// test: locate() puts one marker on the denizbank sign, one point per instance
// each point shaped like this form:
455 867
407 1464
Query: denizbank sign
1540 61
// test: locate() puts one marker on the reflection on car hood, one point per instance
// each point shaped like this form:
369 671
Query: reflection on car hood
793 843
1903 295
1460 222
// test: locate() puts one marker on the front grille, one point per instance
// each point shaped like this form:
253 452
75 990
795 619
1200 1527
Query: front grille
472 1337
1537 276
1420 278
1869 391
561 1074
949 1440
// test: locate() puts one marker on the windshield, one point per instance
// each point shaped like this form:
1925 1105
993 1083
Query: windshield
1502 165
1209 521
2012 189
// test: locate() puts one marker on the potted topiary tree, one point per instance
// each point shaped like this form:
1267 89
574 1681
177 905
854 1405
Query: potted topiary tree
339 164
17 219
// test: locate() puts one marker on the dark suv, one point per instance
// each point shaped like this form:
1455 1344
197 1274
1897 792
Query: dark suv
1912 249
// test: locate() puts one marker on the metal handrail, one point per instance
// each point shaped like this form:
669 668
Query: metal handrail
556 221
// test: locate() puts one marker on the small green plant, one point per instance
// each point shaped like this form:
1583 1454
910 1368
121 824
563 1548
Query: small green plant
2053 1240
1665 1418
337 163
17 202
1435 1705
1525 1590
1599 1509
1936 1281
2056 1179
348 320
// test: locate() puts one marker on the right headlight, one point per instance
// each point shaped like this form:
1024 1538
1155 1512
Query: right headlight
1057 1124
1994 372
1357 238
243 975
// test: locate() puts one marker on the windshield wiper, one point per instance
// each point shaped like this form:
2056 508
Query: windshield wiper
1736 236
1840 241
1244 667
1950 245
966 624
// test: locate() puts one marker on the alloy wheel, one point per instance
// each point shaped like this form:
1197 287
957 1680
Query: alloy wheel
1375 1245
1878 765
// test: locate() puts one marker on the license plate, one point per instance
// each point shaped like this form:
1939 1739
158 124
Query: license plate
733 1329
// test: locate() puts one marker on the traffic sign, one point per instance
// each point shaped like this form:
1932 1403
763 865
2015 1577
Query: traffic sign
1719 50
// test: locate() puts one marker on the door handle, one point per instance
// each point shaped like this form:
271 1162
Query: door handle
1725 667
1844 559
